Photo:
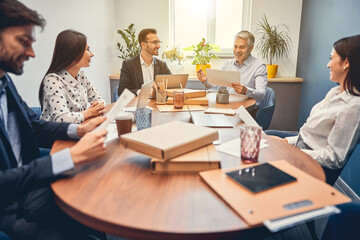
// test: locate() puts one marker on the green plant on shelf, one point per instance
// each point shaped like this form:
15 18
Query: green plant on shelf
203 52
132 48
274 40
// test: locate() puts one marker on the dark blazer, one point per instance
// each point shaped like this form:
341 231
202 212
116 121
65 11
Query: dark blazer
131 76
36 171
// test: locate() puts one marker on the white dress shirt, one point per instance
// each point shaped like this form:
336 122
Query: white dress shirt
332 129
147 72
65 97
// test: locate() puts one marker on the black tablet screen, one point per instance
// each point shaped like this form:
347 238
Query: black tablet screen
261 177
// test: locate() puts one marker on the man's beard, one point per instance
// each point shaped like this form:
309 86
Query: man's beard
9 65
152 52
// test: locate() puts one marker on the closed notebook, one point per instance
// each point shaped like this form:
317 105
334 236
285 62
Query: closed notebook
169 140
191 101
189 93
205 158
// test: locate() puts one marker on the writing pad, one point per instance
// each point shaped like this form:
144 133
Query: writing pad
261 177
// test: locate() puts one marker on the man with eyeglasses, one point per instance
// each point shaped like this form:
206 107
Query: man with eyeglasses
143 68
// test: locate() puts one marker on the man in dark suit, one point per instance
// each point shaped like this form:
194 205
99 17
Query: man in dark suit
145 67
27 208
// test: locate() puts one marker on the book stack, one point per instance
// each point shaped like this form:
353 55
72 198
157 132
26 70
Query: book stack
205 158
191 101
176 147
189 93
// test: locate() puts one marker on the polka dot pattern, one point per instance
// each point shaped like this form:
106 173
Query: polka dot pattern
65 97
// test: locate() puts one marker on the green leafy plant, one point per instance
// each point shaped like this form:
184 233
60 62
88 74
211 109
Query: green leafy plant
132 48
174 54
202 52
274 41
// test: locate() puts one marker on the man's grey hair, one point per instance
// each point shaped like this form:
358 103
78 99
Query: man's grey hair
247 36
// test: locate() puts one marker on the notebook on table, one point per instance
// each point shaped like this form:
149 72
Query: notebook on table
209 120
205 120
261 177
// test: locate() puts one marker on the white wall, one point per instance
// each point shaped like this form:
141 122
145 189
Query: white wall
99 20
155 14
288 13
96 19
144 14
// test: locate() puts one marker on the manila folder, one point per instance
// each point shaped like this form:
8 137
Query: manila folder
273 203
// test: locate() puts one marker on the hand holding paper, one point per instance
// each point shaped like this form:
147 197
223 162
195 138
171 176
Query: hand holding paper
222 77
124 99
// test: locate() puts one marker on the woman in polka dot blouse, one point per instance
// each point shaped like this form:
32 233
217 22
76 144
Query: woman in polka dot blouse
65 91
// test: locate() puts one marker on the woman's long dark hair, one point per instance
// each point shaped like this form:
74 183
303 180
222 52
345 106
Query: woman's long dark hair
349 48
69 49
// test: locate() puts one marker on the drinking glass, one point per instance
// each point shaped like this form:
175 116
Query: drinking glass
250 143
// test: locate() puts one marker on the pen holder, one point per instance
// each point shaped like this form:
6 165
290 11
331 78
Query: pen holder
161 97
222 96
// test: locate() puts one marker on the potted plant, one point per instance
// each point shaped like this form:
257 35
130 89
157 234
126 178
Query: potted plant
132 48
274 42
203 54
176 57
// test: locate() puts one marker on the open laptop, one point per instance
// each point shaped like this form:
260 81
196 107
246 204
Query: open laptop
173 80
210 120
143 98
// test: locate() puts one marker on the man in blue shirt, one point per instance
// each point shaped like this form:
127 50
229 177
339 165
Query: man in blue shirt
253 76
24 175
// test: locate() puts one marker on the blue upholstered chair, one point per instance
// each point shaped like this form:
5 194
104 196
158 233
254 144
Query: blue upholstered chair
344 225
4 236
115 96
266 109
43 151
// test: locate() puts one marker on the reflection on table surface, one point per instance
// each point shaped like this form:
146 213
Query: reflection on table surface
119 195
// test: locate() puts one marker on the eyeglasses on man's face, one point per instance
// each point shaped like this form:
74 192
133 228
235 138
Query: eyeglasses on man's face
154 42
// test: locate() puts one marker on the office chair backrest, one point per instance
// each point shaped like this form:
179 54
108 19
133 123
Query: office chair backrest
115 96
349 172
3 236
266 109
43 151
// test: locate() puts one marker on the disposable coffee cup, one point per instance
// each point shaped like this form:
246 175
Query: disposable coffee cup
123 123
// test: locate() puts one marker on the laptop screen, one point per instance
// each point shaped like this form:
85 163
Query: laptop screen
144 95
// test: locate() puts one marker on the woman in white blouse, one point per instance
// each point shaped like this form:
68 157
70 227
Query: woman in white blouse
333 127
65 91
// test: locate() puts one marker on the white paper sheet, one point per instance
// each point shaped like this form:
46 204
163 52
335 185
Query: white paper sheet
222 77
245 116
124 99
226 111
233 147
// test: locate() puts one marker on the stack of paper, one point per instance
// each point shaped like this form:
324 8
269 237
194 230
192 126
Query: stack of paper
233 147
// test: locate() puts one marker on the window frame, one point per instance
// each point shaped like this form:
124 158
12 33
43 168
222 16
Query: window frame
211 25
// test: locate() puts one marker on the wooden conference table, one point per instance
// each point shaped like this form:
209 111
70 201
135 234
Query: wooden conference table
119 195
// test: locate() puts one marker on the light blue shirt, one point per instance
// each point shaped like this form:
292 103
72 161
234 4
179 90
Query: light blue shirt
253 75
61 161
